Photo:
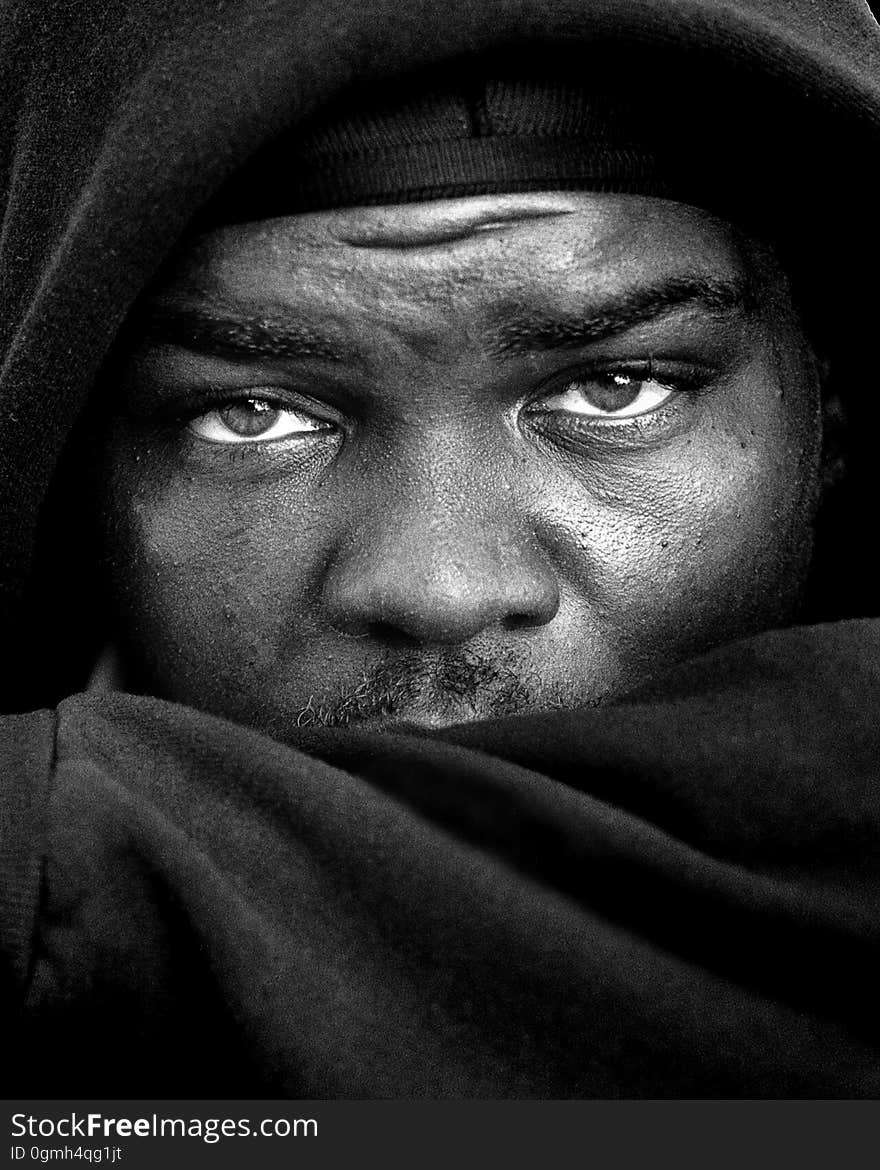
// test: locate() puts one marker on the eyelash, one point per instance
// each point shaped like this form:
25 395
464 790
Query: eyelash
176 421
217 399
684 380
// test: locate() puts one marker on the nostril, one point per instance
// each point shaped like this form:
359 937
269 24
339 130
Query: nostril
391 636
524 621
532 596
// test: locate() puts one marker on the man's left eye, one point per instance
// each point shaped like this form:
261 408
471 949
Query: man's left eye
252 420
608 395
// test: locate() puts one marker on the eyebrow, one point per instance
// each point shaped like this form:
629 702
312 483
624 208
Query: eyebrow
517 331
511 329
255 336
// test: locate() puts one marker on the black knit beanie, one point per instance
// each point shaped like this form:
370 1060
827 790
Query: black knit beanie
457 137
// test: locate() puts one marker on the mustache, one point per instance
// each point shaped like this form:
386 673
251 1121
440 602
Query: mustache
477 685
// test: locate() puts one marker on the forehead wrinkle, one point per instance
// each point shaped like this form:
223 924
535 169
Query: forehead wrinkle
430 237
426 225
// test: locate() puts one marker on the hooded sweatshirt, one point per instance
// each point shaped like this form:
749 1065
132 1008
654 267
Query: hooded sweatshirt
674 896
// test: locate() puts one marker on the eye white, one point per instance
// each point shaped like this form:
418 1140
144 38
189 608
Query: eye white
574 398
212 427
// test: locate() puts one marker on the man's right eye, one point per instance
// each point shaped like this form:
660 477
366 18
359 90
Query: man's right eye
253 420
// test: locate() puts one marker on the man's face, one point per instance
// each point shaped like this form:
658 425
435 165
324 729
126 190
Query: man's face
458 459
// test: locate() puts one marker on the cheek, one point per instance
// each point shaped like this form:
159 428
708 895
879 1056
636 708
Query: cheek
707 539
209 580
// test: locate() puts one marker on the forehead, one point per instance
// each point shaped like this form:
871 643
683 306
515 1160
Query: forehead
457 254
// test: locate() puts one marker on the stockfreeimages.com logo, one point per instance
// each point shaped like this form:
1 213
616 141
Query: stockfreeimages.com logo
209 1129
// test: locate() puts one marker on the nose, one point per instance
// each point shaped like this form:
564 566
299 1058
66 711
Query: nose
438 574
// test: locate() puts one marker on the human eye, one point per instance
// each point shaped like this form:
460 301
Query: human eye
613 394
254 419
621 402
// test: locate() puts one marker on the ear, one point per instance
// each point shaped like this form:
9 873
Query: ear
834 430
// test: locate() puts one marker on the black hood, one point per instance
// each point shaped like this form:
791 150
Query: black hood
122 120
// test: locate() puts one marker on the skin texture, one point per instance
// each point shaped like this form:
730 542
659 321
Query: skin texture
451 519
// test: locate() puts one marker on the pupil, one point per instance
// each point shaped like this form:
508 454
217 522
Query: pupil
250 418
616 393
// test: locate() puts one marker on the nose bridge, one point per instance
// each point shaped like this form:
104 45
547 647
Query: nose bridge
439 552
